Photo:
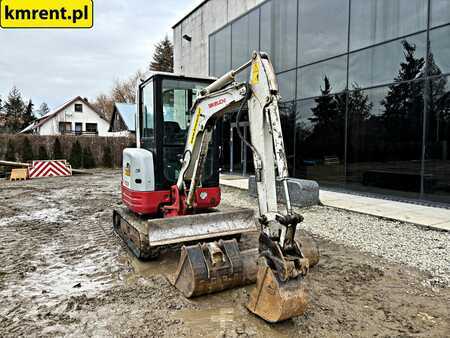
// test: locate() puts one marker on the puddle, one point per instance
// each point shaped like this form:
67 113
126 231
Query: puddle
51 215
165 265
219 314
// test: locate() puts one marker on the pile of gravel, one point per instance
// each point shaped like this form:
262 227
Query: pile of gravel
399 242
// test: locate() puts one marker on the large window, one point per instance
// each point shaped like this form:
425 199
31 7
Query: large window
437 164
287 115
266 28
385 137
65 127
285 34
382 64
440 49
177 98
148 114
374 21
322 29
245 39
91 128
322 78
440 12
222 52
286 84
319 139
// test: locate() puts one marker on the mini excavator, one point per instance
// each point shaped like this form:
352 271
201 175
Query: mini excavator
170 190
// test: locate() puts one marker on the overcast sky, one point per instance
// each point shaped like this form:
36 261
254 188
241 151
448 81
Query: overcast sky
56 65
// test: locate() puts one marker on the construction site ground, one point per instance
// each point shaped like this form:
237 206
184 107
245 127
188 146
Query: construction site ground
63 272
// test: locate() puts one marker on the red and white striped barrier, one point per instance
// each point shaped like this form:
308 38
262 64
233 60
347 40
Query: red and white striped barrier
49 169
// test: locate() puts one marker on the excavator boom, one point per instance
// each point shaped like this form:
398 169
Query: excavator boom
280 261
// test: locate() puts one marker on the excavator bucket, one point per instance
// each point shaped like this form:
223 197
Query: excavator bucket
213 267
274 300
146 236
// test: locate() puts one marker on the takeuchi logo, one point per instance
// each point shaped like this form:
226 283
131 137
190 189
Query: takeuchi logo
216 103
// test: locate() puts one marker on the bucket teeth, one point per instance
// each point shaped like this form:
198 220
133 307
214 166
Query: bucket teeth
274 300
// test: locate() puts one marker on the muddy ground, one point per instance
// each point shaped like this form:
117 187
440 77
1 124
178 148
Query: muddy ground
64 273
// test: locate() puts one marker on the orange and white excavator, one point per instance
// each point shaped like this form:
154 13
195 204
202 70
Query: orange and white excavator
170 190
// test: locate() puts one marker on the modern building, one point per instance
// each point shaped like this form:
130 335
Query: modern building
123 119
364 85
75 117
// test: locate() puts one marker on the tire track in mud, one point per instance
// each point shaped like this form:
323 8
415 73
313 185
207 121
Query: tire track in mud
53 246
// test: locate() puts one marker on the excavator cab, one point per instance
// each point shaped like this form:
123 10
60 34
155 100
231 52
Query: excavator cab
164 113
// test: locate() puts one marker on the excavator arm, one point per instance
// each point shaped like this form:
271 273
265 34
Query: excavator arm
282 264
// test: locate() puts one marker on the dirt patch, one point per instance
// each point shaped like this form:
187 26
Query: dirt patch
64 272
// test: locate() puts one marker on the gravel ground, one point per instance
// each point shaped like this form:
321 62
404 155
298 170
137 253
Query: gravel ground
398 242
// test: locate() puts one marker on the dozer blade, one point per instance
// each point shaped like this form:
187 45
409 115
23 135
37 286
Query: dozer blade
274 300
146 236
200 227
213 267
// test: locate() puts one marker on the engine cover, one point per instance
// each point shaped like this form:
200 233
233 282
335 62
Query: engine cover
138 170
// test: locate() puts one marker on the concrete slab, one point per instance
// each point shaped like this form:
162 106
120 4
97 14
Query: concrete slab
430 217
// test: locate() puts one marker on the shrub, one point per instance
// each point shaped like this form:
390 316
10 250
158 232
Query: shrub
42 153
76 155
27 150
88 158
57 150
10 151
107 157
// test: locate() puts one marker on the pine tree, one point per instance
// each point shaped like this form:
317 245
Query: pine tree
42 153
57 151
27 150
107 157
163 56
10 151
88 158
329 122
76 155
43 109
28 116
403 104
359 106
14 108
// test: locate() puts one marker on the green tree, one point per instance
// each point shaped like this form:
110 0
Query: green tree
27 150
10 151
88 158
76 155
107 157
163 56
14 108
403 104
28 115
328 123
57 150
42 153
43 109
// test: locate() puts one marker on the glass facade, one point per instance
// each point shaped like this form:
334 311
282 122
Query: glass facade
364 85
